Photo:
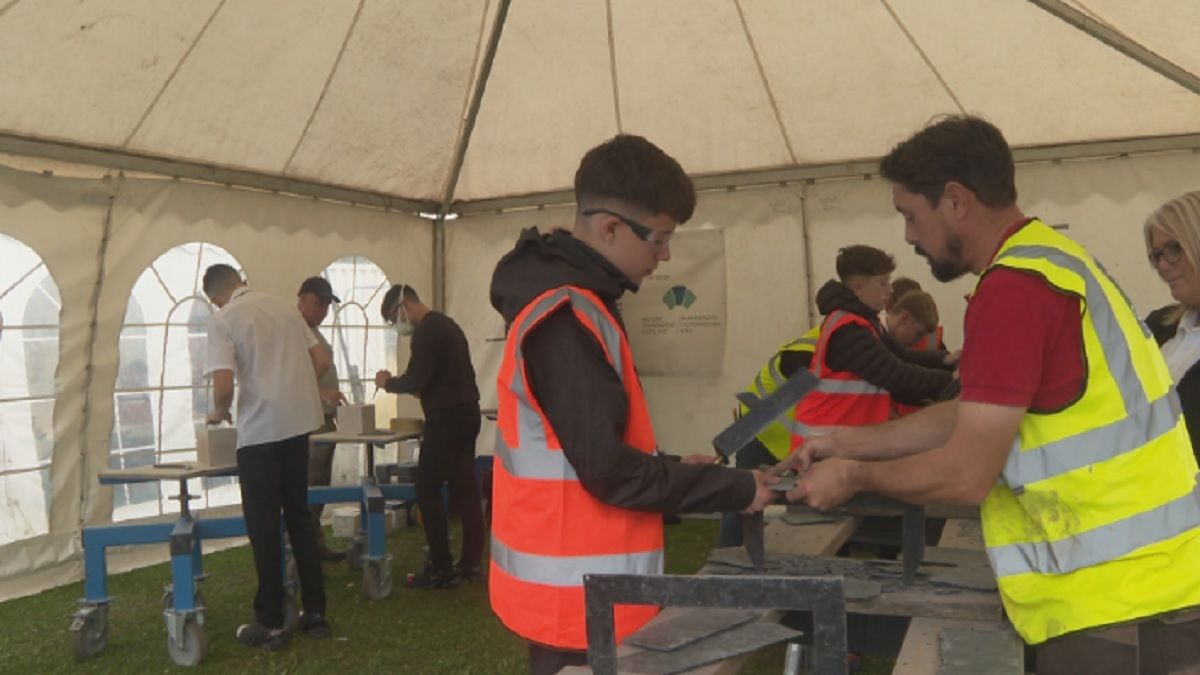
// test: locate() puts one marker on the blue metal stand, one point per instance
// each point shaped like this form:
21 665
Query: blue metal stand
183 606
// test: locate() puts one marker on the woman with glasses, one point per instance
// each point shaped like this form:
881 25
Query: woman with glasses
1173 243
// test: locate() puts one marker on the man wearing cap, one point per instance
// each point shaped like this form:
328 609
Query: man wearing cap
315 297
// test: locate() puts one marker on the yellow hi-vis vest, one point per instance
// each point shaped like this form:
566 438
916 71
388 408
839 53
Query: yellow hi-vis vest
1096 517
777 438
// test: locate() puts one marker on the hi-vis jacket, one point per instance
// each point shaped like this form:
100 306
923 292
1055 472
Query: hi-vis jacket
841 398
929 342
777 438
547 531
1095 518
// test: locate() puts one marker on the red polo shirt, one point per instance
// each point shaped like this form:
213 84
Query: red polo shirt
1023 341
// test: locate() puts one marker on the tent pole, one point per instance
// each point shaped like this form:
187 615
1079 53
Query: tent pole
1121 43
460 154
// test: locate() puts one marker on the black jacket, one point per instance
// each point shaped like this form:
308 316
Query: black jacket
582 395
910 377
439 366
1189 386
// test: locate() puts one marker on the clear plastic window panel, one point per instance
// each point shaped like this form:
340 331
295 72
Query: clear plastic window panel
162 396
29 316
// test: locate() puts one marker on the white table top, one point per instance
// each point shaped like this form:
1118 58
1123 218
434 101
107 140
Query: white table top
166 471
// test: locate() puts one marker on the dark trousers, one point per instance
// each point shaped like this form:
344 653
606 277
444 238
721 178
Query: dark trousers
448 457
1168 645
320 472
754 455
548 660
274 478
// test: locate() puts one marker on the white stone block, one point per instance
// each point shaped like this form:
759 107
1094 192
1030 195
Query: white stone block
345 522
216 446
356 418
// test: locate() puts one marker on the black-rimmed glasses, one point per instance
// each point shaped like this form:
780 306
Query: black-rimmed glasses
1170 252
639 230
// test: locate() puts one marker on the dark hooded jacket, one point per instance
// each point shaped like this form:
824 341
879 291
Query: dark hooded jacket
582 396
910 377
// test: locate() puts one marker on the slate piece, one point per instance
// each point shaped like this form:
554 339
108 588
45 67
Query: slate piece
861 589
688 628
981 652
724 645
805 518
969 578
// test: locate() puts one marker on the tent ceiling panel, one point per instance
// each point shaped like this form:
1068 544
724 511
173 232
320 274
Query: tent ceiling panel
688 79
244 94
549 99
391 115
834 68
1167 28
1040 79
371 95
52 84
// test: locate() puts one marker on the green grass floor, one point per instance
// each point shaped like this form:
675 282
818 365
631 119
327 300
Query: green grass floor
446 631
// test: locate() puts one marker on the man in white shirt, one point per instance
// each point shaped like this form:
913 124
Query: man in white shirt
264 343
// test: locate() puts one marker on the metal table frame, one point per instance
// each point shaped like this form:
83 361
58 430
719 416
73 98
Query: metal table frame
183 608
369 546
824 596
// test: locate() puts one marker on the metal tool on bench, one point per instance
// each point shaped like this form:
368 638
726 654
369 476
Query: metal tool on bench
761 413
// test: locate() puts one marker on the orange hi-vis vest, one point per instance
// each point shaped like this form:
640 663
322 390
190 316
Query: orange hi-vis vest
930 342
841 399
547 530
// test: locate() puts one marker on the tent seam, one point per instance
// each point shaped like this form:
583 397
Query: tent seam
337 61
10 5
90 366
171 78
612 65
762 74
924 57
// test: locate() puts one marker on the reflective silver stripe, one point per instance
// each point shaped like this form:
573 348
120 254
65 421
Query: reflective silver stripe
533 458
857 387
773 371
760 387
1102 544
1095 445
1144 421
806 430
568 571
805 341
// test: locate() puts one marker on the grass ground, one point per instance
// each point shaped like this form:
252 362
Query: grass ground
450 631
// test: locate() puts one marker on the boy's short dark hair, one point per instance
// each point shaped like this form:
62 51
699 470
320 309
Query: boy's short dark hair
387 308
900 286
219 277
920 306
961 148
861 260
632 169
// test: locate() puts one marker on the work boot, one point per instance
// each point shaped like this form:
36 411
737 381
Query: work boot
258 635
330 555
433 578
470 572
314 625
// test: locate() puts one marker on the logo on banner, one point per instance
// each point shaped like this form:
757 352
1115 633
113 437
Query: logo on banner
679 296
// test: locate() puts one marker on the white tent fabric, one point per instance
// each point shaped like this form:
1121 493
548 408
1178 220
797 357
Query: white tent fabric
374 98
95 248
371 95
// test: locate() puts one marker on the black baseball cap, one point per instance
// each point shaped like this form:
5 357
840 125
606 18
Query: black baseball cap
319 287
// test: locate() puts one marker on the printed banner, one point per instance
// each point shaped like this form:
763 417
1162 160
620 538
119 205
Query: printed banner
676 321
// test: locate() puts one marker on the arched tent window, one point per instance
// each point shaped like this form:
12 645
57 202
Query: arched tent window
161 397
361 341
29 310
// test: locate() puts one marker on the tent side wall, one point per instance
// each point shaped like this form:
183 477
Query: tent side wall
1102 201
277 239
